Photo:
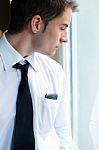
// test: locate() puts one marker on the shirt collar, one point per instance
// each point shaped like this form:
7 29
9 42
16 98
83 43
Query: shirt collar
10 56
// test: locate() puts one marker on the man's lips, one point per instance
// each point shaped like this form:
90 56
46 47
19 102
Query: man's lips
57 46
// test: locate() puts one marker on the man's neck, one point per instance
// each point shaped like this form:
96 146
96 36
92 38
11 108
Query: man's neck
21 43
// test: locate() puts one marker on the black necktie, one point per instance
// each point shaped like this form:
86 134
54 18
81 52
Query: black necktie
23 135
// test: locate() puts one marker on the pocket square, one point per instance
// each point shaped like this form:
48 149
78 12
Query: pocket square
53 96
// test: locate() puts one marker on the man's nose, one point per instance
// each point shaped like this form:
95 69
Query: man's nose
64 37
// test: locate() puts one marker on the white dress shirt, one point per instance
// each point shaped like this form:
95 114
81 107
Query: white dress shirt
94 123
52 126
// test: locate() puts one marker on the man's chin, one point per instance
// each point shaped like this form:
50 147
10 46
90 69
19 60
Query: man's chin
50 53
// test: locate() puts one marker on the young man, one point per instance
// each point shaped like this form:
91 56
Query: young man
37 28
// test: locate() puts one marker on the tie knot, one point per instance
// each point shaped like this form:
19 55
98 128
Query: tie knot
23 68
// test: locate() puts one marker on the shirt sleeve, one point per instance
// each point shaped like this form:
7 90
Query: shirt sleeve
63 119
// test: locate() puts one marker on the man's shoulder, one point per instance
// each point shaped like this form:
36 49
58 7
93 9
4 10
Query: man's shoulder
48 61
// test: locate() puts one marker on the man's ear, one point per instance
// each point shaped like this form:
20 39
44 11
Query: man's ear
36 24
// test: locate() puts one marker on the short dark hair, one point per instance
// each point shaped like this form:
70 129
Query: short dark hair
4 14
22 11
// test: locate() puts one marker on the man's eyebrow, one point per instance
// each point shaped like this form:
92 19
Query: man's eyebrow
65 25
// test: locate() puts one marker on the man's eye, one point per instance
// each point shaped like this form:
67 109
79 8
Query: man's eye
63 27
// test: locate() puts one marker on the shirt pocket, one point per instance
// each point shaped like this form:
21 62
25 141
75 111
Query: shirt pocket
47 109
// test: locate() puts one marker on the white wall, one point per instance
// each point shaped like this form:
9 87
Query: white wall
88 66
